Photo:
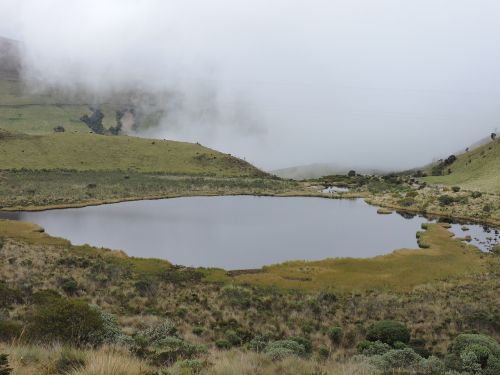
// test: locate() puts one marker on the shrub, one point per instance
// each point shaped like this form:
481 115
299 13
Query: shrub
223 344
170 349
154 335
45 296
66 320
407 202
305 342
181 312
258 343
233 337
468 351
237 296
446 200
293 346
370 348
9 296
335 334
455 189
9 330
389 332
396 359
431 366
69 285
279 353
476 194
111 332
194 366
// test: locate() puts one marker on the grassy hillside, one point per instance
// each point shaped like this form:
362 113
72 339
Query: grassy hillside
84 152
478 169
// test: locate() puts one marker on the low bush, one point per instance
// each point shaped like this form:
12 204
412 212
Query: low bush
476 194
455 189
305 342
389 332
258 343
335 334
371 348
171 349
398 359
67 321
223 344
277 349
154 335
69 285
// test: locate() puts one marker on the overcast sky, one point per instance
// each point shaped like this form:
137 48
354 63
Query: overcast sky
382 83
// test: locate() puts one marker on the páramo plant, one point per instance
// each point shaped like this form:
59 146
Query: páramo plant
389 332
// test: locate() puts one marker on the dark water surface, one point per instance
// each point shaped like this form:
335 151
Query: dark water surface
237 232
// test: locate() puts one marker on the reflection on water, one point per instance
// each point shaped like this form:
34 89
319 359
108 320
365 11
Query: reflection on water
235 232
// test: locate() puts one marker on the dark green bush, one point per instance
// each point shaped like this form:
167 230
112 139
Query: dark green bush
233 337
335 334
455 189
65 320
223 344
476 194
10 330
389 332
258 343
69 285
446 200
305 342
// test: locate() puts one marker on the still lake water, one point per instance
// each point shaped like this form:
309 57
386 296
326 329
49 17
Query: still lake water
238 232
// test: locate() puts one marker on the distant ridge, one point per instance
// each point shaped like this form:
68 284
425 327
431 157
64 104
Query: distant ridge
316 170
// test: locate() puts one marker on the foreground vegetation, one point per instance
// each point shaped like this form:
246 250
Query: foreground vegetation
82 310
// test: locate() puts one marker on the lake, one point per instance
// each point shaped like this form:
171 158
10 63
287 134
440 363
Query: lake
239 232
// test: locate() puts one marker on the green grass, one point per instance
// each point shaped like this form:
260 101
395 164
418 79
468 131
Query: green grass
478 169
400 270
85 152
55 188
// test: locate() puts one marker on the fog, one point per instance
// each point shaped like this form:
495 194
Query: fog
375 83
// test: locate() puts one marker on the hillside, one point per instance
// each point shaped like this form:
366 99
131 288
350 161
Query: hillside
477 169
84 152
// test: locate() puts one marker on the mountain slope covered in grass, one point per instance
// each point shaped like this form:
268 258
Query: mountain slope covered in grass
477 169
84 152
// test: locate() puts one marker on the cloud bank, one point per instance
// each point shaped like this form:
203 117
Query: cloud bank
387 83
